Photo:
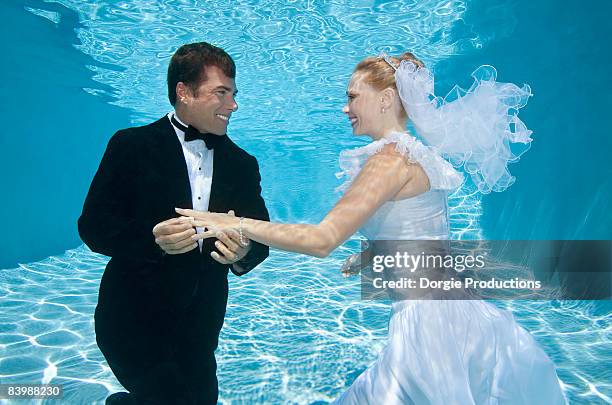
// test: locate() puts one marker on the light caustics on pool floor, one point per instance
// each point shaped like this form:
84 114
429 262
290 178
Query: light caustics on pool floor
295 331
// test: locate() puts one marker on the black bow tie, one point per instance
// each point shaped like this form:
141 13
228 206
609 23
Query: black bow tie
191 134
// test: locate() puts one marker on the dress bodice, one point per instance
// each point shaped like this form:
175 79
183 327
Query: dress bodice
424 216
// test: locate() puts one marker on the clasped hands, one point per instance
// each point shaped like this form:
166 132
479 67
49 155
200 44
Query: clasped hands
178 235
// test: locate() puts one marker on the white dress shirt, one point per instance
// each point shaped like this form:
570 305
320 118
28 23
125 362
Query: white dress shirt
199 160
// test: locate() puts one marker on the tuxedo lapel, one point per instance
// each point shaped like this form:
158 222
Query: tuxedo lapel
171 163
223 181
172 166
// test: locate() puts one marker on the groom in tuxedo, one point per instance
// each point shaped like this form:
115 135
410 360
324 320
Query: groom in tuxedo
163 296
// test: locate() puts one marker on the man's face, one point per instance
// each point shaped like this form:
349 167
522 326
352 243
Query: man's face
210 107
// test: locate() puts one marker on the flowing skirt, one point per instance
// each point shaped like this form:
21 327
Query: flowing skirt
456 352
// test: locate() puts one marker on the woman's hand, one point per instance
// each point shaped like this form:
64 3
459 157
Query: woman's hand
352 265
224 227
356 262
213 222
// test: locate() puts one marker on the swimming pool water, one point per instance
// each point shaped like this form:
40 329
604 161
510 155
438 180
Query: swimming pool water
295 330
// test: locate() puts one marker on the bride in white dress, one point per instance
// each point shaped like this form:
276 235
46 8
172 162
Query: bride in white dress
439 351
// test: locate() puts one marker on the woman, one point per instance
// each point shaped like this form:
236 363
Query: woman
439 351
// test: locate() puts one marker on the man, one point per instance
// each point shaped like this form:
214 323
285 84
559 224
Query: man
163 296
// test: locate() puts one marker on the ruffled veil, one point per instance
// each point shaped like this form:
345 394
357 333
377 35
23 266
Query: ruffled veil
477 128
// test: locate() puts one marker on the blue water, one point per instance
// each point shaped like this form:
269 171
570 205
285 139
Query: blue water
296 331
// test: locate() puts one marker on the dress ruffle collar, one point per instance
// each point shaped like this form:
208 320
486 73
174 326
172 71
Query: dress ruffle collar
442 175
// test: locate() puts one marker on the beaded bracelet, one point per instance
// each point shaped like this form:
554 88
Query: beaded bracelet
242 241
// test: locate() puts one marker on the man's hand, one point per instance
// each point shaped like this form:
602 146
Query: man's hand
174 235
229 245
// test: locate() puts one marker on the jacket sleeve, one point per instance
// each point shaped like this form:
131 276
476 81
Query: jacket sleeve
108 224
250 204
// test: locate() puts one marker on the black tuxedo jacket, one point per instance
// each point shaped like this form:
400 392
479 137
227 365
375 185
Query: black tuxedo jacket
141 179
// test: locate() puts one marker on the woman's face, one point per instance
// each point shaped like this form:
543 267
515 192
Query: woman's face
363 106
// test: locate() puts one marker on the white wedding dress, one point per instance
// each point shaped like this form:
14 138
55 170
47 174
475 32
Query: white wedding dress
443 351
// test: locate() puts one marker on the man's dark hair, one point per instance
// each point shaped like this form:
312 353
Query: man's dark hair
189 63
